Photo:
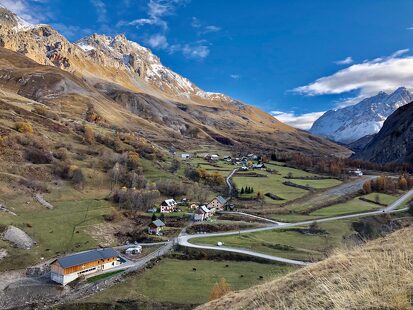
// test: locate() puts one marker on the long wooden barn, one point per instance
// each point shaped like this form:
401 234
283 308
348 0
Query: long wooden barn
68 268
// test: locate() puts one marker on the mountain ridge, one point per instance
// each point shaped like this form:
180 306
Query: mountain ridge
125 77
394 142
365 118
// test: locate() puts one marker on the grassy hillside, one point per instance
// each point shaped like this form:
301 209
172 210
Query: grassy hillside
375 276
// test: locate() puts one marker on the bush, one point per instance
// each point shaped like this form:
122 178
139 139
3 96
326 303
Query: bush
171 188
38 156
24 127
78 178
35 185
89 134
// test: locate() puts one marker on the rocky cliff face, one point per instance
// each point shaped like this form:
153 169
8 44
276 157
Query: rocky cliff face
101 57
363 119
394 142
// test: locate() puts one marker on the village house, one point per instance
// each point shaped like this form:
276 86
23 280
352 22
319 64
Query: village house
258 166
214 157
186 156
137 249
168 206
156 227
68 268
201 214
217 203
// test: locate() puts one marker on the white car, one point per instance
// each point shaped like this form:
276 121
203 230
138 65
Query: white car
219 243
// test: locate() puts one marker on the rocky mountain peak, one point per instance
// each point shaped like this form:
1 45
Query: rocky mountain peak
365 118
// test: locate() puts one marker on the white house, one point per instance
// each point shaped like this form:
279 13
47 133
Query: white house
214 157
217 203
201 214
258 166
168 206
156 227
137 249
68 268
185 156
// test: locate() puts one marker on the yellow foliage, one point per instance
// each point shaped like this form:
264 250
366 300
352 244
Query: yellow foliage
89 134
24 127
220 289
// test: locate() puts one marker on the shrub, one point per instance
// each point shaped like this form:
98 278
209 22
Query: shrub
133 161
171 188
24 127
78 178
220 289
38 156
89 134
61 154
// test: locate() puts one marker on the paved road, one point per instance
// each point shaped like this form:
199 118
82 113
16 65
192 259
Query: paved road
399 201
184 242
349 187
228 180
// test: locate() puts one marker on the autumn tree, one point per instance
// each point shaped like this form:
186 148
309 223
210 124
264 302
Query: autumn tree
367 187
133 161
220 289
402 183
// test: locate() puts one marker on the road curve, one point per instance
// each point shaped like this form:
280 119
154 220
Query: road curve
183 240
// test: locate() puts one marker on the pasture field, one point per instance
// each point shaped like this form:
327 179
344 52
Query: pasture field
175 281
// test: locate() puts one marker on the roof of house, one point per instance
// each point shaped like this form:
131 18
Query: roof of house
86 257
169 202
221 200
204 209
158 223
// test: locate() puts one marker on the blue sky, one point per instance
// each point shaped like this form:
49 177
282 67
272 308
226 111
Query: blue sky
296 58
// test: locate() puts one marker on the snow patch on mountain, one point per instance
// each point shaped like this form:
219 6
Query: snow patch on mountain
141 62
351 123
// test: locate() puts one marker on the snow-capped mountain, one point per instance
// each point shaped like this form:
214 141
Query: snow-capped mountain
365 118
102 58
142 63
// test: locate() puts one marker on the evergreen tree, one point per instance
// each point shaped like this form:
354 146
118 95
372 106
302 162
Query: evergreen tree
242 191
154 218
252 189
162 217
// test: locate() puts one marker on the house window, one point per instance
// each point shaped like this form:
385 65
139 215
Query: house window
113 264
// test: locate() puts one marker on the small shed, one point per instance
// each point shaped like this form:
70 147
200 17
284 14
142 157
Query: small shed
156 227
137 249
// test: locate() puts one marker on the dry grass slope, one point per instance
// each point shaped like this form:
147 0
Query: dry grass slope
378 275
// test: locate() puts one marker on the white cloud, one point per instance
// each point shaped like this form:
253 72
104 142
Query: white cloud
29 10
157 10
368 78
234 76
303 121
196 23
346 61
101 10
211 28
157 41
198 50
202 28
